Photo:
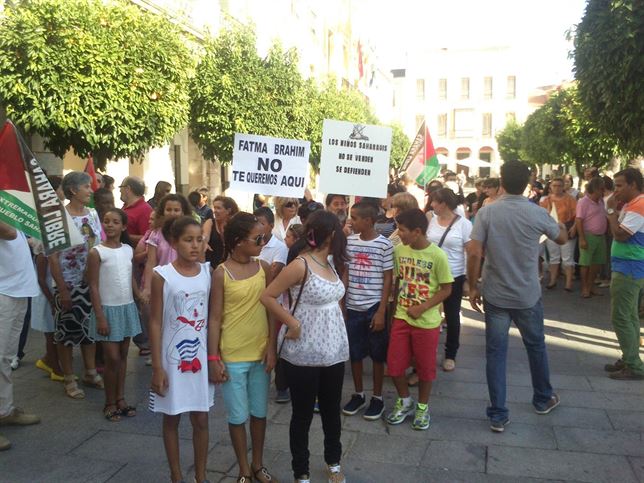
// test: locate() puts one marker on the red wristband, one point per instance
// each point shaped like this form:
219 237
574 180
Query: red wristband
214 358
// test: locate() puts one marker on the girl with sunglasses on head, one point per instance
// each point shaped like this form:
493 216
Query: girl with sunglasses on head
313 340
285 216
242 341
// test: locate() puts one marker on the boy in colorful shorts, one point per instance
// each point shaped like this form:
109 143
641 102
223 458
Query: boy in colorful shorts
423 281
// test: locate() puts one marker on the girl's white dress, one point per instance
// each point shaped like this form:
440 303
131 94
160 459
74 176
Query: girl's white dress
184 342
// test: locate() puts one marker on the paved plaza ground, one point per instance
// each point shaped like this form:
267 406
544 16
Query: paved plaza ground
595 435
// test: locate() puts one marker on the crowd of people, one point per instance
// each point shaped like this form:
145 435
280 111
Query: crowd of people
217 297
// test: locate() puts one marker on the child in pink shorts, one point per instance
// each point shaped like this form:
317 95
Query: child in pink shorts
423 281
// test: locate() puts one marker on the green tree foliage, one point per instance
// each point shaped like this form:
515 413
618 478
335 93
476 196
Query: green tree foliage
235 90
609 65
226 93
561 132
100 77
399 145
509 141
329 102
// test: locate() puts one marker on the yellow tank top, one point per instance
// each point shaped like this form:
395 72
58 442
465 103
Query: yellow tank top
244 328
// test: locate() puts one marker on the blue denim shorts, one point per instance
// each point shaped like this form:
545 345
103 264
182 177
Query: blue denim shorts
246 391
363 341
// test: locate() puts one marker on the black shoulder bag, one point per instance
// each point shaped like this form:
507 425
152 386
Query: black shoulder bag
454 220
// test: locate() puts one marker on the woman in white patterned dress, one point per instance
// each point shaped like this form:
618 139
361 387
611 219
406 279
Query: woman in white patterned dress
72 300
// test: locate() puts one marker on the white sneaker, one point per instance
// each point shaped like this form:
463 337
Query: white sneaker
335 474
15 363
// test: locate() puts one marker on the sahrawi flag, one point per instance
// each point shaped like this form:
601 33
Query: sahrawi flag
27 200
421 163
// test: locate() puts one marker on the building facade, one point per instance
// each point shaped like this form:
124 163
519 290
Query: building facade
465 96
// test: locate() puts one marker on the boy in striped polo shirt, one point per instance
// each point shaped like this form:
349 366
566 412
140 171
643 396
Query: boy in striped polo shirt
627 262
370 270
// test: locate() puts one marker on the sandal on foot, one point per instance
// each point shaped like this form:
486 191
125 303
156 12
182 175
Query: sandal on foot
127 411
245 479
93 380
113 416
73 391
262 475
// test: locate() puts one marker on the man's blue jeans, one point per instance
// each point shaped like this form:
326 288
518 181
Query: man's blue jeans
497 326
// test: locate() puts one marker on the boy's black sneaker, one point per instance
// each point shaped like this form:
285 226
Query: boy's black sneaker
356 403
551 404
499 426
618 366
375 409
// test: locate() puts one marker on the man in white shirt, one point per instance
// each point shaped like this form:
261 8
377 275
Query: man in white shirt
274 252
17 283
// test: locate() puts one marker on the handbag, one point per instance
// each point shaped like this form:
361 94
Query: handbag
297 300
454 220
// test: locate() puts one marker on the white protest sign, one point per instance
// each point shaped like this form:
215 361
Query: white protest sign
270 166
355 159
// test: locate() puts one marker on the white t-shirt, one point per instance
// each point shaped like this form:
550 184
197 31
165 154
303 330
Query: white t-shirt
454 243
368 260
279 231
275 251
17 273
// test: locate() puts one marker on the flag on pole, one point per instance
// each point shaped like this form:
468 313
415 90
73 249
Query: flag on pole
27 200
421 163
89 169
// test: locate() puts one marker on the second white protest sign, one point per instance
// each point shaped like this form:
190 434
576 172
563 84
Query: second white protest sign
270 166
355 159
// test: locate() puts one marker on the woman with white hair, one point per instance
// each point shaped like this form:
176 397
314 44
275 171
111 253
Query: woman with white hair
72 300
285 216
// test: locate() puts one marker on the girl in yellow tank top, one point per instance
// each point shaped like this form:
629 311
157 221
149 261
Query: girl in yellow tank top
242 340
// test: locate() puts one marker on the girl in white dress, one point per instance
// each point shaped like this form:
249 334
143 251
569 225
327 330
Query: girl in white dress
114 319
179 343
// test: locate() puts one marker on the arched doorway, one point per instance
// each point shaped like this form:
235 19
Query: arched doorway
485 154
463 153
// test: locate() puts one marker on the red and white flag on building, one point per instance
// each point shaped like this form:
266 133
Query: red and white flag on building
27 200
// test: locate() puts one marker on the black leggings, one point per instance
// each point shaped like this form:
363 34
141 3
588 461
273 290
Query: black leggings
452 307
305 384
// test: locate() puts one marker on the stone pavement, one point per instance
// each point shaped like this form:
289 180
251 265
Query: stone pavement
594 435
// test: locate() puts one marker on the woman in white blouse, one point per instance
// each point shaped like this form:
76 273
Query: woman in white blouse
285 215
451 232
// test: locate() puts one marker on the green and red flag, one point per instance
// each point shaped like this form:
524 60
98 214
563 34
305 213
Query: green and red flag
421 163
27 200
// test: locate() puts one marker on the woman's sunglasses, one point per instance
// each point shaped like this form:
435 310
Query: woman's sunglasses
290 204
259 239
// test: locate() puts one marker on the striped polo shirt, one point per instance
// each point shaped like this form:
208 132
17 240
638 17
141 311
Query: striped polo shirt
368 260
627 257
